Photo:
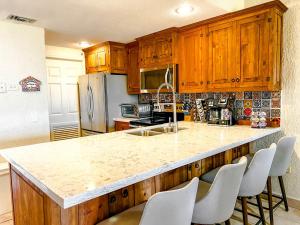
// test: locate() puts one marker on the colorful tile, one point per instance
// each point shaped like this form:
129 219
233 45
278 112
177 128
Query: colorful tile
248 103
266 95
266 103
256 109
217 95
256 103
239 95
225 95
276 94
232 95
210 95
267 111
256 95
239 103
275 103
275 113
247 112
247 95
240 113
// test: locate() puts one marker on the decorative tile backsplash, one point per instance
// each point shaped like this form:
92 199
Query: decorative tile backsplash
244 102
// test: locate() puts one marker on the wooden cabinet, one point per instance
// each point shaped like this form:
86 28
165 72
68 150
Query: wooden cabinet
158 49
221 56
133 71
193 61
119 126
106 57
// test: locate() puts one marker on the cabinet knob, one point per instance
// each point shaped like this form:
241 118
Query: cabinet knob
268 79
112 199
232 80
125 193
208 82
237 79
197 165
201 82
182 84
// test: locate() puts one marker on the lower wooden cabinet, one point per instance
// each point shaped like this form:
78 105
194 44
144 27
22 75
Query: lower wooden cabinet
119 126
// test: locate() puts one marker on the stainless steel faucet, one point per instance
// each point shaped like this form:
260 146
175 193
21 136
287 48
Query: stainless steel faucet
169 86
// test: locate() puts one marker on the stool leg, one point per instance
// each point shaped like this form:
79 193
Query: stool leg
270 200
245 212
227 222
283 193
261 210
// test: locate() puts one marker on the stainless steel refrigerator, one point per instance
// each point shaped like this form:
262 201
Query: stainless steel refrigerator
100 97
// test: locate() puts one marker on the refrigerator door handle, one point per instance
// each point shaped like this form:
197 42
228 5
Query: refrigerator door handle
92 103
89 101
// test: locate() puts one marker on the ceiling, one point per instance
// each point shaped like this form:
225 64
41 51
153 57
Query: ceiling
68 22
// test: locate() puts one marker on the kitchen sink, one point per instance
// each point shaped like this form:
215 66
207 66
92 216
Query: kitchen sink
147 132
144 133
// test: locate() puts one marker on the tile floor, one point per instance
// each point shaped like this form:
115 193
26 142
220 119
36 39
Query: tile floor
281 218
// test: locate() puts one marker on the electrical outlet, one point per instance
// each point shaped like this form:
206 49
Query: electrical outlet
3 87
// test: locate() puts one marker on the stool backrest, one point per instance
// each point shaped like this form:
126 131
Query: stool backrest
255 178
283 156
171 207
218 204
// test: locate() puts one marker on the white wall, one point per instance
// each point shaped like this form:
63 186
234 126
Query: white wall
54 52
290 106
23 116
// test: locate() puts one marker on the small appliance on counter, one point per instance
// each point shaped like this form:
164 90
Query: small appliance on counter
219 112
135 110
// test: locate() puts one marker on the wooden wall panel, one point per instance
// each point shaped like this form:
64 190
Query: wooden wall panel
69 216
218 160
121 200
52 212
144 190
27 202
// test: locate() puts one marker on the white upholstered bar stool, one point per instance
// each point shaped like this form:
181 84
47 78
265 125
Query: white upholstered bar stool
254 180
173 207
280 165
215 202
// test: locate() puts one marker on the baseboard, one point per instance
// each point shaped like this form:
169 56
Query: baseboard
294 203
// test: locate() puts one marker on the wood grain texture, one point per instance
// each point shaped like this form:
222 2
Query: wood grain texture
133 71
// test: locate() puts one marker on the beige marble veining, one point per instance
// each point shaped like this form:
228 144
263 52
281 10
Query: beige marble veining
77 170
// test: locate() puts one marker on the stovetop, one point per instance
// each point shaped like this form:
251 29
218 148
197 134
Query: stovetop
156 119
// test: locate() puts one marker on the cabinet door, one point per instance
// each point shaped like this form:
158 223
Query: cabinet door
91 62
119 126
163 50
193 67
133 78
118 58
147 50
102 59
253 37
222 58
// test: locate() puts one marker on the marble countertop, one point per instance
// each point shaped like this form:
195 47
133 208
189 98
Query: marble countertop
74 171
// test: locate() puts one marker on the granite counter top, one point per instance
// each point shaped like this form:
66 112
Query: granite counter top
74 171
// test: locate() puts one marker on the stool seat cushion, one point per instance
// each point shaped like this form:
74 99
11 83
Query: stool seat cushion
131 216
203 189
210 176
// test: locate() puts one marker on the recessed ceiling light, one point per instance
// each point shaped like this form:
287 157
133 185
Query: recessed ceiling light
184 10
84 44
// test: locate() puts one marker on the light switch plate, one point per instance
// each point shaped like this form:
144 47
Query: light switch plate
3 87
12 87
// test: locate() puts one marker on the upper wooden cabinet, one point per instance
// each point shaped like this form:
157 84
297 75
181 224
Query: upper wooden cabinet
106 57
193 48
221 56
133 71
158 49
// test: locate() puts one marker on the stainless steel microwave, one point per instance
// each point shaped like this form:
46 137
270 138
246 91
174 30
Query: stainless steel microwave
152 78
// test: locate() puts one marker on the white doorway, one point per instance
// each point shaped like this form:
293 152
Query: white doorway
63 97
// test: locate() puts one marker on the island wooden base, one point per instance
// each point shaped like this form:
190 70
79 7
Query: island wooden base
33 207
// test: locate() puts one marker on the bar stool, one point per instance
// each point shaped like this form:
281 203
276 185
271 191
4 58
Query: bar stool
164 208
215 202
254 180
280 165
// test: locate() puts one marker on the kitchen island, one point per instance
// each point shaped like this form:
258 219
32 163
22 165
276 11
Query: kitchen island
85 180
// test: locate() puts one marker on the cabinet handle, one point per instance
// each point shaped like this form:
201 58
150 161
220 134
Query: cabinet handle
237 79
232 80
125 193
112 199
